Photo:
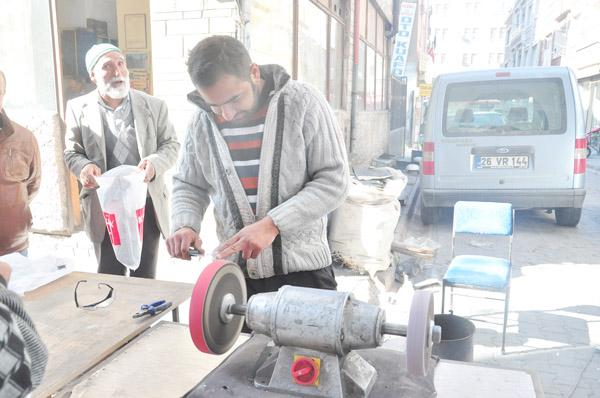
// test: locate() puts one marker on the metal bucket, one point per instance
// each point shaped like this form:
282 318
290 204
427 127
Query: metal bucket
457 338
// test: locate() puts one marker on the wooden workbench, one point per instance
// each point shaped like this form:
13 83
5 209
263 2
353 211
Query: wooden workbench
163 362
79 339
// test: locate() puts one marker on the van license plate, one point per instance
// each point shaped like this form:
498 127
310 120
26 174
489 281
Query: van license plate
502 162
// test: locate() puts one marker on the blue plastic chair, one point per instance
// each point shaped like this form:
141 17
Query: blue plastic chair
476 271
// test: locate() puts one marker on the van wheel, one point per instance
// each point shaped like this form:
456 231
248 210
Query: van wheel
567 216
428 214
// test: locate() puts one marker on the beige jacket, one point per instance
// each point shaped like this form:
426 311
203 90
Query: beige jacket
84 144
20 175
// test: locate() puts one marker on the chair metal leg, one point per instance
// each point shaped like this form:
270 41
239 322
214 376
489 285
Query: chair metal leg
506 300
443 294
451 300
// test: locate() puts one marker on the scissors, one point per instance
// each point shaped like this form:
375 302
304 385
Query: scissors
152 309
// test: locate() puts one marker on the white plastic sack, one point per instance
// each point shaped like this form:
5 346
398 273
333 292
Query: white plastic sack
122 194
362 228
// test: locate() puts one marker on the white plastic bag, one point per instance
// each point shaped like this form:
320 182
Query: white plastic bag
122 194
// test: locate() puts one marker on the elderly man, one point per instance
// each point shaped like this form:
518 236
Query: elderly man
20 174
269 153
113 126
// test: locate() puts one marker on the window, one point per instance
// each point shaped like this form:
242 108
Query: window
379 82
371 23
512 107
373 75
360 76
465 59
500 58
493 34
320 46
312 45
278 49
336 64
370 88
443 58
363 18
30 83
491 58
317 57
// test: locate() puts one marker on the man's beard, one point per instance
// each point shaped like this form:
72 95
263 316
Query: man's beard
256 93
255 104
114 92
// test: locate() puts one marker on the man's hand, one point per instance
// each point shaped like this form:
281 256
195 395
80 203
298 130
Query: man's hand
5 271
147 167
179 243
88 175
251 240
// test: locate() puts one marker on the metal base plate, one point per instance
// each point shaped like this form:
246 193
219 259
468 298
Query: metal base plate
221 282
234 377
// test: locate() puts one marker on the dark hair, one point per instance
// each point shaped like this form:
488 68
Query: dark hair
216 56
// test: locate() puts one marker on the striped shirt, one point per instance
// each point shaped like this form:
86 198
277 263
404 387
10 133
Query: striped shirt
244 140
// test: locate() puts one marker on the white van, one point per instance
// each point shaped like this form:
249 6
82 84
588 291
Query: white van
505 135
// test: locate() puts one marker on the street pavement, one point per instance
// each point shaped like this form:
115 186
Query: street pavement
554 316
554 319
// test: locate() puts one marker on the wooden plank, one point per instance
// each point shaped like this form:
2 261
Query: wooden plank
79 339
162 362
470 380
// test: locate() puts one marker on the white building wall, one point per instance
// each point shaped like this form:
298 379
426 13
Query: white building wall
468 34
177 26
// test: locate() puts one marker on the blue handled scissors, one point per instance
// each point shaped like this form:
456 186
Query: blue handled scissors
152 309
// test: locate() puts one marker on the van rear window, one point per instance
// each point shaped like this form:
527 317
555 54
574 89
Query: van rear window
505 107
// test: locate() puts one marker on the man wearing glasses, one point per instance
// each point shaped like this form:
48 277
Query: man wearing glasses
113 126
23 355
269 153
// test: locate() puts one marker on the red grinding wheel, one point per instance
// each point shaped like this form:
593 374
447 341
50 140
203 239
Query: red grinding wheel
419 339
220 283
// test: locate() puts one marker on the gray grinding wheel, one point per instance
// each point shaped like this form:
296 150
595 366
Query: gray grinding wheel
419 340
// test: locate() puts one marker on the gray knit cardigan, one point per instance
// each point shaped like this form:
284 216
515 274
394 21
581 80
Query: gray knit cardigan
303 176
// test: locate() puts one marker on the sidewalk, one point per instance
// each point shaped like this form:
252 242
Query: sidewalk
554 319
593 162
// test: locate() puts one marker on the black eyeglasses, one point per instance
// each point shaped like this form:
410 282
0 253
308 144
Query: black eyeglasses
105 302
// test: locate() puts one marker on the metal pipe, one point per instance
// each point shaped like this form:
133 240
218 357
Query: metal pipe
354 99
237 309
394 328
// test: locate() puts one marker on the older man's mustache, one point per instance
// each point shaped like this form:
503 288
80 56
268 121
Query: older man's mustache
116 80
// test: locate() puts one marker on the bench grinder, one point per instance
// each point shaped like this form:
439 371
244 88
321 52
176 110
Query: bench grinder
313 335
